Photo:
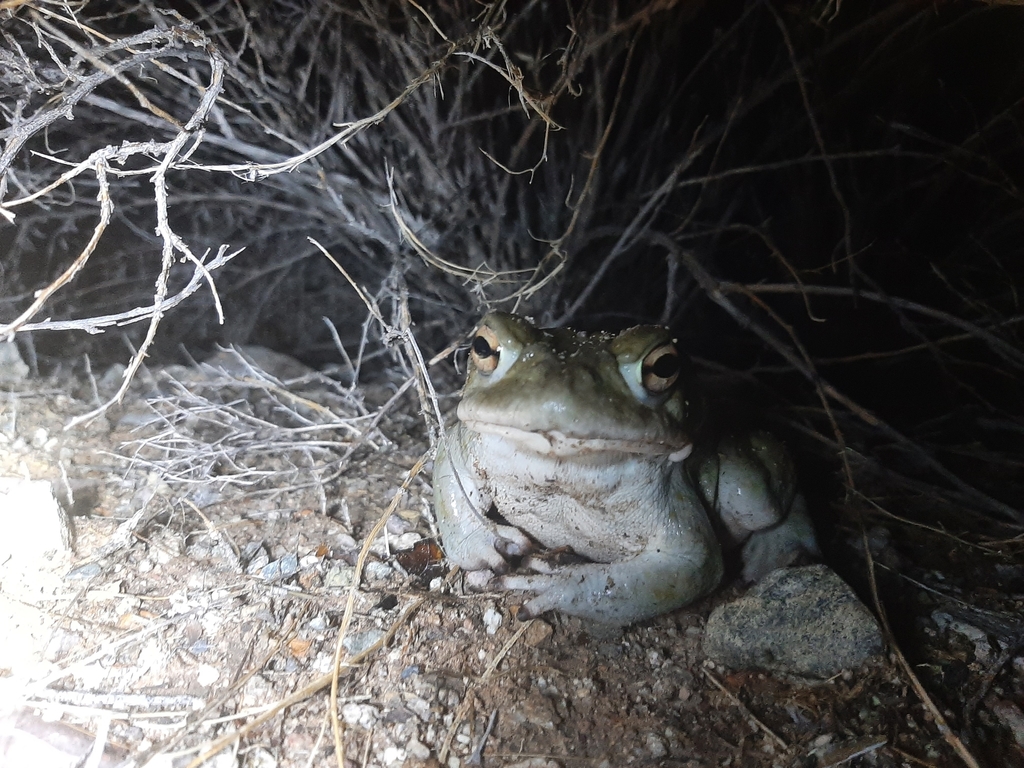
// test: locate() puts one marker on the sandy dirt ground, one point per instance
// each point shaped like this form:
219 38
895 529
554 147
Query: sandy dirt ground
218 516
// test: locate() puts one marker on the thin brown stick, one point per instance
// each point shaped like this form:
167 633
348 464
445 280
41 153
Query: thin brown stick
1006 351
346 620
940 721
8 330
715 292
818 138
750 716
467 699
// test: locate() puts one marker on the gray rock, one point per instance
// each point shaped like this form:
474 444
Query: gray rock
358 642
241 360
798 621
279 570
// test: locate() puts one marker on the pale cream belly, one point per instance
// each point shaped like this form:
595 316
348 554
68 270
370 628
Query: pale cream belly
605 506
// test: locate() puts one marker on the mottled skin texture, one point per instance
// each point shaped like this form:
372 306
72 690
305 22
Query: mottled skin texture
581 441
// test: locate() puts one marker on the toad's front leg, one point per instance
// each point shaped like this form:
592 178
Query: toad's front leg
668 574
471 540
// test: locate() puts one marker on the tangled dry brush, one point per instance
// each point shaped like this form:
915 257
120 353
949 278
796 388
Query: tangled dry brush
826 197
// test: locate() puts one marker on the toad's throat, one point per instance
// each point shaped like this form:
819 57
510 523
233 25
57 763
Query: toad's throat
555 443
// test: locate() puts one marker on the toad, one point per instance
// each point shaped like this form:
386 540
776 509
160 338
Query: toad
582 441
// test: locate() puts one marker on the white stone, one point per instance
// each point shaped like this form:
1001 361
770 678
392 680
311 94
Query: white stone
39 437
492 620
259 758
417 750
309 561
362 715
656 746
405 541
36 529
207 675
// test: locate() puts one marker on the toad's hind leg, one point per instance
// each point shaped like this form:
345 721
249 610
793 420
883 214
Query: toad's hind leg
781 544
750 485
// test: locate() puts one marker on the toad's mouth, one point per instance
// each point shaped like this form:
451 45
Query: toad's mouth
555 443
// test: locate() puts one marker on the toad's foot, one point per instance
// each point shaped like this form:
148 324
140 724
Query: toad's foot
486 546
620 593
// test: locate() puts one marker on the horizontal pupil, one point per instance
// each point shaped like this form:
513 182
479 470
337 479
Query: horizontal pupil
481 348
665 366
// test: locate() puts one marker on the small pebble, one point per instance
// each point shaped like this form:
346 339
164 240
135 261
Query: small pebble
656 746
537 633
339 577
376 571
207 675
492 620
478 581
82 572
417 750
280 569
360 641
362 715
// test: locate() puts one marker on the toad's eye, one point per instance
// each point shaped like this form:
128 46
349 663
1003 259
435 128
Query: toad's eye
485 350
660 369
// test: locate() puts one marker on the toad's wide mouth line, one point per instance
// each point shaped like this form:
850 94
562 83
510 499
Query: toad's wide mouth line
555 443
